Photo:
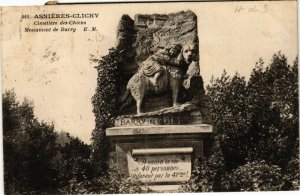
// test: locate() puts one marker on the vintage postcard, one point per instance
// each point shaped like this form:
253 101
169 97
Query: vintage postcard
150 97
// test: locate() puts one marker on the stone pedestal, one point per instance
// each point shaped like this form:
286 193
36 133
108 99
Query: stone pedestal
158 146
160 155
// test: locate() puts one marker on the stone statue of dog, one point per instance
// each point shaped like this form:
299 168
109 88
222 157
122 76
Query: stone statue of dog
139 84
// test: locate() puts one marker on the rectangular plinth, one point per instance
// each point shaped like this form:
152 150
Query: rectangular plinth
160 155
162 129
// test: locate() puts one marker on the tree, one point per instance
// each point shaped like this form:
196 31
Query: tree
228 107
74 164
273 103
29 147
63 138
258 124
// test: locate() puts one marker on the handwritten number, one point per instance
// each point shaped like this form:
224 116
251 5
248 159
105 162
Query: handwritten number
253 9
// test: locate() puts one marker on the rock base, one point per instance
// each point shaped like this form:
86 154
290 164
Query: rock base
186 113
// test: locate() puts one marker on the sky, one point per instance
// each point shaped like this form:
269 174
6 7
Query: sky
54 69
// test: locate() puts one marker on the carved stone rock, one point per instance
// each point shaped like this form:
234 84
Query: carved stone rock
146 34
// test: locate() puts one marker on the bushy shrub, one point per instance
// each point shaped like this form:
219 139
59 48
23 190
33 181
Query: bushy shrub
96 185
291 172
133 186
208 173
257 176
111 183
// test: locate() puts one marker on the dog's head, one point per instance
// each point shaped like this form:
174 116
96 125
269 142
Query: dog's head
188 53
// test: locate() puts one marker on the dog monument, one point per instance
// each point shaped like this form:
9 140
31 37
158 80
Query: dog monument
163 123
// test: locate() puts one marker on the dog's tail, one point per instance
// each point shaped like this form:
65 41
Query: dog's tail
126 100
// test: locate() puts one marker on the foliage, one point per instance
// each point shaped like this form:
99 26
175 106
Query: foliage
29 149
111 183
35 160
228 107
104 102
63 138
273 108
74 163
207 173
257 176
258 124
292 175
133 186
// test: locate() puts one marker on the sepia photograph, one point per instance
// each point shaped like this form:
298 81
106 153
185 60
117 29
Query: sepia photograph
150 97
